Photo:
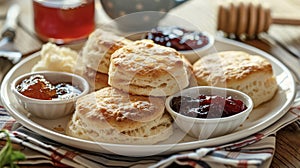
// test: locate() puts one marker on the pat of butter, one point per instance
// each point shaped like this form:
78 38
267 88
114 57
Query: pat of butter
55 58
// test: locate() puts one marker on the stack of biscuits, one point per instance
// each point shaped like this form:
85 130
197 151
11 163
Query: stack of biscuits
129 108
96 55
131 80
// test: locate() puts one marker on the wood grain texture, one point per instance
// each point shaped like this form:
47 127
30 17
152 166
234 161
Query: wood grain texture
287 152
287 148
201 14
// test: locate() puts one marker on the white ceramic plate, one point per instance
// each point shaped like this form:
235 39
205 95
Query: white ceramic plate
260 118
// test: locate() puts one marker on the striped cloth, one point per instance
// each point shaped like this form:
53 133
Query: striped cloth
252 151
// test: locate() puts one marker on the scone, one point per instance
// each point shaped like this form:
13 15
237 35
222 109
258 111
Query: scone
110 115
251 74
146 68
96 55
97 80
191 76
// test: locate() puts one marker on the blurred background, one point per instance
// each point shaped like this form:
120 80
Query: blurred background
200 13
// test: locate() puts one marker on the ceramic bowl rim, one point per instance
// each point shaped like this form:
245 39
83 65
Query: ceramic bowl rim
247 111
211 42
54 101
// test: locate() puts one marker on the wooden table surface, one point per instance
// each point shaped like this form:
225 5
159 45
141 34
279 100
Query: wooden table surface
203 15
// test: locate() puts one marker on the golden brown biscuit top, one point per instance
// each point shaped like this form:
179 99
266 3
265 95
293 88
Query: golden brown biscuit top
98 49
144 57
118 109
229 65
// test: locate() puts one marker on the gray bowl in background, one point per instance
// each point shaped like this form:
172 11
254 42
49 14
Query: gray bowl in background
138 15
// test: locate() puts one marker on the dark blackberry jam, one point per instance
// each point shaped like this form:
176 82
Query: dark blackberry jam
178 38
207 106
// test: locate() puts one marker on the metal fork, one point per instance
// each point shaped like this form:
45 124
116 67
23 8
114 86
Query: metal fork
9 56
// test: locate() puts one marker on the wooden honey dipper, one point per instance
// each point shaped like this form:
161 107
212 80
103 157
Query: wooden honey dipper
247 19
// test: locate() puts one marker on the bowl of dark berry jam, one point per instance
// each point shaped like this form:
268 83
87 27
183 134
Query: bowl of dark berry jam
192 44
49 94
205 112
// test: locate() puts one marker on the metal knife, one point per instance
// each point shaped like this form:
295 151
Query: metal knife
9 56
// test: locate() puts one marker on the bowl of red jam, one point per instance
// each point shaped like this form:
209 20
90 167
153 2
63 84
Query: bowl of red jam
205 112
49 94
192 44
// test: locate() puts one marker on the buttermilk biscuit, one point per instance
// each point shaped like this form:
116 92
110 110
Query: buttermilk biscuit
96 55
110 115
98 49
146 68
250 74
191 76
97 80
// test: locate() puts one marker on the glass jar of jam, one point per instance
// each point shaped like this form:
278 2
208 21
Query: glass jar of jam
63 21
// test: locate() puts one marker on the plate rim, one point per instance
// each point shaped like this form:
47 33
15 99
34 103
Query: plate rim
28 123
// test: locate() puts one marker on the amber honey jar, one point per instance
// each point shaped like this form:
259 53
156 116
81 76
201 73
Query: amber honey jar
63 21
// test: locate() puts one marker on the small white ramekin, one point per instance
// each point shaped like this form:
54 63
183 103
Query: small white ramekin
51 109
204 128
